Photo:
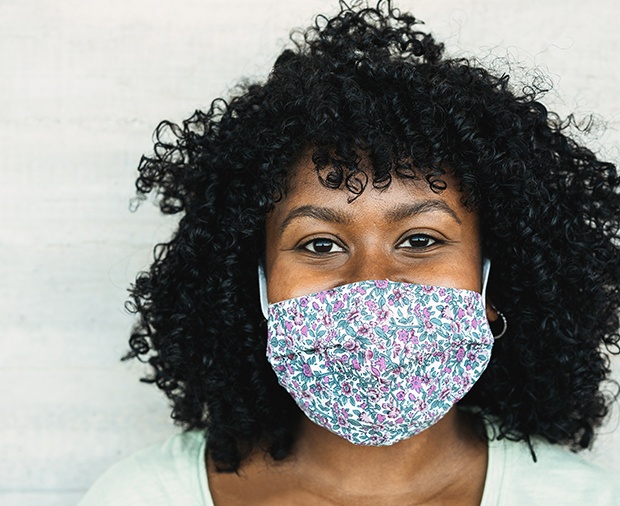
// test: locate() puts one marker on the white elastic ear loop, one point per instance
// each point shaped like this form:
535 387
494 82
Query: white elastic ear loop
262 290
486 270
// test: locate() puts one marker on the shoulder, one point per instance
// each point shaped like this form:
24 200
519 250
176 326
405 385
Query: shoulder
558 476
166 474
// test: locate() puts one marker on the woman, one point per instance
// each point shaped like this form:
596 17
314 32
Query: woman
438 268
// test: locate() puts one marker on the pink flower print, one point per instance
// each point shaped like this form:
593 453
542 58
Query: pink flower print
363 330
380 418
382 314
365 418
304 331
351 345
360 290
369 355
396 351
373 394
288 325
315 306
321 296
447 313
353 315
409 350
298 319
416 383
460 354
303 302
327 320
381 364
338 305
346 388
381 283
307 370
356 365
394 412
342 421
442 292
460 314
371 305
400 395
428 289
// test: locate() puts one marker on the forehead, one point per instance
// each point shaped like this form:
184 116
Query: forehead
305 180
306 188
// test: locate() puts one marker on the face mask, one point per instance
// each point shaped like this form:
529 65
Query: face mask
377 362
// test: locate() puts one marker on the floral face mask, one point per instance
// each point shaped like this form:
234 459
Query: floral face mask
378 361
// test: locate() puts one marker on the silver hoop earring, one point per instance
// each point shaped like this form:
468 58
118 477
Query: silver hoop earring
504 320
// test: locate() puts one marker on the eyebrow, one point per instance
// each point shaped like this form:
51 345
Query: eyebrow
320 213
403 211
398 213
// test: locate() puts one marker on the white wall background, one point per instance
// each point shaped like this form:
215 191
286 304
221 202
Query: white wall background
82 86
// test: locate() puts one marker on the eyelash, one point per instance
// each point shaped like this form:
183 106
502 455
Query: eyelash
332 244
306 246
426 237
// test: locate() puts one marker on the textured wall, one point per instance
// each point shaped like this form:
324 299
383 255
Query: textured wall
82 85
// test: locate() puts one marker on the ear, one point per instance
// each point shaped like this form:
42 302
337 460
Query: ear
492 314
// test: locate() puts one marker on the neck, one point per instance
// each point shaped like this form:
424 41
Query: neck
429 463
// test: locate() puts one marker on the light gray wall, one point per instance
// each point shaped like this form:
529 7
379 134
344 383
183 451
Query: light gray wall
82 85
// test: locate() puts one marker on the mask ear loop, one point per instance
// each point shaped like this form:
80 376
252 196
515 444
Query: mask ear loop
486 270
262 290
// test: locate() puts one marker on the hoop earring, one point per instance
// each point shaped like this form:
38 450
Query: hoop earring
504 320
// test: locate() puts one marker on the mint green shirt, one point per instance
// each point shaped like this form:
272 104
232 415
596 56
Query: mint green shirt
174 474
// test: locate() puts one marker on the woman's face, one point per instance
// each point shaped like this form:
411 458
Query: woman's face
317 240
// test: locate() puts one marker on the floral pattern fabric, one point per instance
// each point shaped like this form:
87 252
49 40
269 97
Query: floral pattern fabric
379 361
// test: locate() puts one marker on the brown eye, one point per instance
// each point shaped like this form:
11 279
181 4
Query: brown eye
418 241
322 246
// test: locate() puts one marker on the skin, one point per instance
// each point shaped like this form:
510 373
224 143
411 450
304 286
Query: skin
317 239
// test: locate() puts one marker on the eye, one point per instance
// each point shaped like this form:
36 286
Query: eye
322 245
418 241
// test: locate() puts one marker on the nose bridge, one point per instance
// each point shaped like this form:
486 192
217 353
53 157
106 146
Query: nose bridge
372 262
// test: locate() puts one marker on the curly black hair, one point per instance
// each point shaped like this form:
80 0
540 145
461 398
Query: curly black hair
369 81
